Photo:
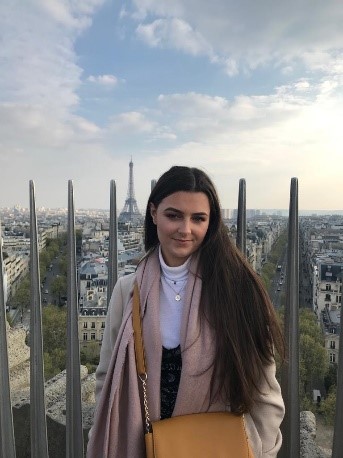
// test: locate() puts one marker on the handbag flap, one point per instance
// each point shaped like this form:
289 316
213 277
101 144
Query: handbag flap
203 435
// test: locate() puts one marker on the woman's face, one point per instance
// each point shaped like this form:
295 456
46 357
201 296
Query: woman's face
182 221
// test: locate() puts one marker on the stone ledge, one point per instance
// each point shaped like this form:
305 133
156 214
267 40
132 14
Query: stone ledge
308 446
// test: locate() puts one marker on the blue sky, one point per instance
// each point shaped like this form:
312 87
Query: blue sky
241 89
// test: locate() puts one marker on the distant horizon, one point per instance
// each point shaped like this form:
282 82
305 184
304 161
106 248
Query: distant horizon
269 211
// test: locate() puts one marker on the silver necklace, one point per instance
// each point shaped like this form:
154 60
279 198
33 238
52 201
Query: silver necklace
177 293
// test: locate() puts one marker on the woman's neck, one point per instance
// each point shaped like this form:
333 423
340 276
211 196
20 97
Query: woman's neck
173 273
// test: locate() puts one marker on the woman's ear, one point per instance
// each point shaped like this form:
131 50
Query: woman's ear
153 212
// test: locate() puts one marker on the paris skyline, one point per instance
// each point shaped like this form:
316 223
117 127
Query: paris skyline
241 91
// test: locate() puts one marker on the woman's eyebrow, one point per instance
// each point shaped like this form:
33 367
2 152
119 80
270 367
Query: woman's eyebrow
179 211
172 209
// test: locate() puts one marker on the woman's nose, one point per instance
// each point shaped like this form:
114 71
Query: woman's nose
185 226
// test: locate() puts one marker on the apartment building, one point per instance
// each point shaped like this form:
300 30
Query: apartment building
93 276
16 267
328 302
92 324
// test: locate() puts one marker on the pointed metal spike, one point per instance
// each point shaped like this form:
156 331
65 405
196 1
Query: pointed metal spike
74 431
39 443
241 218
113 239
290 371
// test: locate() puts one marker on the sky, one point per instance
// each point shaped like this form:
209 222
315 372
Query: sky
239 89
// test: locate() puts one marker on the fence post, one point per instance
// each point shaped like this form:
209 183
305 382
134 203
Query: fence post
74 432
39 442
290 371
113 242
241 241
7 447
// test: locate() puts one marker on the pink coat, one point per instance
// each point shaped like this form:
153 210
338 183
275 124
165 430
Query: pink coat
118 430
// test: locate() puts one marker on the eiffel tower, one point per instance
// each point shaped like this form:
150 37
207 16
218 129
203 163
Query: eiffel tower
130 212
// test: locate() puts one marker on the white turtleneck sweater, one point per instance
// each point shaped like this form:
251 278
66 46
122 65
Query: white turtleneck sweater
173 282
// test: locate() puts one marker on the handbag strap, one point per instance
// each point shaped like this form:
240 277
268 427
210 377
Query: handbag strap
138 335
139 352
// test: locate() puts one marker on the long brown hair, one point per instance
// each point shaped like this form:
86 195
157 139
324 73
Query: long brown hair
233 298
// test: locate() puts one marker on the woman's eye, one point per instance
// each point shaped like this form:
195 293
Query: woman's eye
198 219
173 216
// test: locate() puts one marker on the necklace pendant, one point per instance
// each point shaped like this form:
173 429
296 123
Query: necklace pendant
178 297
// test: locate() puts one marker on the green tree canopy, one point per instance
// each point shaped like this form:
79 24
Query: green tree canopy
308 325
313 361
21 297
328 407
63 265
59 286
54 322
89 356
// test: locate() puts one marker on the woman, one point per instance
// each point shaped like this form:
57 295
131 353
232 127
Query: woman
209 328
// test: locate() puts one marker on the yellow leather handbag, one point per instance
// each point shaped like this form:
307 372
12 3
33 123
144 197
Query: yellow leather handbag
201 435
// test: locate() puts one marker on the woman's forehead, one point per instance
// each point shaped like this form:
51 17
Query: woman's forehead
197 201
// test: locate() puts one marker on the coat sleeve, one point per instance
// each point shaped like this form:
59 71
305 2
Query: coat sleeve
263 422
120 297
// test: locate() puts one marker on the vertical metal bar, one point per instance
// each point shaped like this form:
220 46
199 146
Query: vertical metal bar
241 218
74 431
39 442
7 445
290 371
113 250
337 435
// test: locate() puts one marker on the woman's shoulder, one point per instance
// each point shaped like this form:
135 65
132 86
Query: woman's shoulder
126 282
121 294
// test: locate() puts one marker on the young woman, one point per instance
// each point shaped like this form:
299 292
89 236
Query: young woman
209 328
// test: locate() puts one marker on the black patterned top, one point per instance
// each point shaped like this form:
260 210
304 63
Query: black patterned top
170 379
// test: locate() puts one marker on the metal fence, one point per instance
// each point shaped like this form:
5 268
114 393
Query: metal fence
74 430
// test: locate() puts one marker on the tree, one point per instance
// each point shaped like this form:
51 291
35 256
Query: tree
59 287
313 361
90 355
330 378
45 258
63 265
22 297
52 247
308 325
54 362
268 272
313 358
328 407
54 322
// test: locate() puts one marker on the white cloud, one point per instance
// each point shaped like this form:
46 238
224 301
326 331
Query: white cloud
74 15
291 132
36 128
174 33
140 126
302 85
104 80
38 64
133 122
39 79
164 8
253 34
39 74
